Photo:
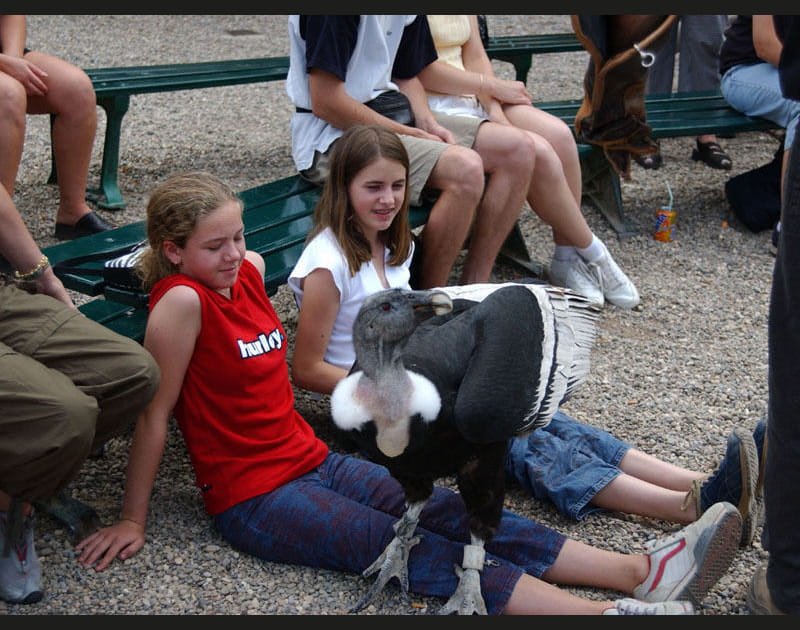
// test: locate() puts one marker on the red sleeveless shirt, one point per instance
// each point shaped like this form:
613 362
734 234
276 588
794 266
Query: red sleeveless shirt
236 407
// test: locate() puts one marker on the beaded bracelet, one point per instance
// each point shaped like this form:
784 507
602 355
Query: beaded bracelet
34 273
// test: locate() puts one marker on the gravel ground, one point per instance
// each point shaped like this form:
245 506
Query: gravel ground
673 376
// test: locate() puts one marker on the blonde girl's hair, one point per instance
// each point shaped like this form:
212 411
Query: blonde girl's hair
356 149
173 211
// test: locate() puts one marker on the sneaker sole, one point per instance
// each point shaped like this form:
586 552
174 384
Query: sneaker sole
713 557
31 598
749 507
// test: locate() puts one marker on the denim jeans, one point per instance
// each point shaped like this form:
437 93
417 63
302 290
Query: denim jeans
755 90
781 533
566 462
340 516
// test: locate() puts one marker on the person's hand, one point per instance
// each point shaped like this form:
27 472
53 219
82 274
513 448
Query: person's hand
50 284
29 74
435 131
513 92
123 539
496 113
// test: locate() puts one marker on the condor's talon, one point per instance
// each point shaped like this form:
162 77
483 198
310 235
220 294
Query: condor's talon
393 562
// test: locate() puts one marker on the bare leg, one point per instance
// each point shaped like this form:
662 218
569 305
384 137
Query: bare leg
13 103
532 596
508 159
558 134
459 176
578 564
630 495
72 99
658 472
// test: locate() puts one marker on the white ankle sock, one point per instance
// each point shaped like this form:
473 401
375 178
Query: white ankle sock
593 251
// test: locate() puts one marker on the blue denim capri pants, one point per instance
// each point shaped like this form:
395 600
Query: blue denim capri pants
567 462
340 516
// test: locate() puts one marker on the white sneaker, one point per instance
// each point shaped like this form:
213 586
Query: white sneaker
629 606
687 564
616 286
575 274
20 571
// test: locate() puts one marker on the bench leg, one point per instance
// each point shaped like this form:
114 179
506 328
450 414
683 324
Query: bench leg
108 195
521 62
601 187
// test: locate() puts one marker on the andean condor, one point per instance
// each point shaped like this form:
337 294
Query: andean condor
442 380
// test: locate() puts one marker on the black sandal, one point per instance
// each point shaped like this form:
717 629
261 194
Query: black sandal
648 160
713 155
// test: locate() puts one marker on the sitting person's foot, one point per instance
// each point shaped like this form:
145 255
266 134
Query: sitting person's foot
575 274
630 606
90 223
616 286
735 481
20 571
688 563
713 155
648 160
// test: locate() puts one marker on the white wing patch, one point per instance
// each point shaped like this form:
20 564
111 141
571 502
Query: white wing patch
425 399
347 412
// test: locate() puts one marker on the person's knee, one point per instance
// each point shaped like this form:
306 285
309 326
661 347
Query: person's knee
75 417
519 155
463 173
13 100
139 374
548 164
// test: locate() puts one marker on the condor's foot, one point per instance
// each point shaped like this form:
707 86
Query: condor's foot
393 562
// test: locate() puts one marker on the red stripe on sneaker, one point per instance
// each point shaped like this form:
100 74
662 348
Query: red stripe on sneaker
662 564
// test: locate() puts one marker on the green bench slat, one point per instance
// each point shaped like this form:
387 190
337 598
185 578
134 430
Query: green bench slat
186 76
122 319
533 44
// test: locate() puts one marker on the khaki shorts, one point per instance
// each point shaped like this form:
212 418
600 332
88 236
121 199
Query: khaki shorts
423 155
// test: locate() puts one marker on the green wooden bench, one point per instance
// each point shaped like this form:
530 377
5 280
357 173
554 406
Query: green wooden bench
277 218
114 87
518 50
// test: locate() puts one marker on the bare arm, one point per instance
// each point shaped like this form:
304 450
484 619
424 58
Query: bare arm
172 328
19 249
765 40
331 102
314 326
477 78
13 32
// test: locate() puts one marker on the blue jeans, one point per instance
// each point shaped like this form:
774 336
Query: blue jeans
755 90
339 516
566 462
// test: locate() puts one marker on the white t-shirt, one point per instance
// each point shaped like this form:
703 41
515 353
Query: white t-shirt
323 252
